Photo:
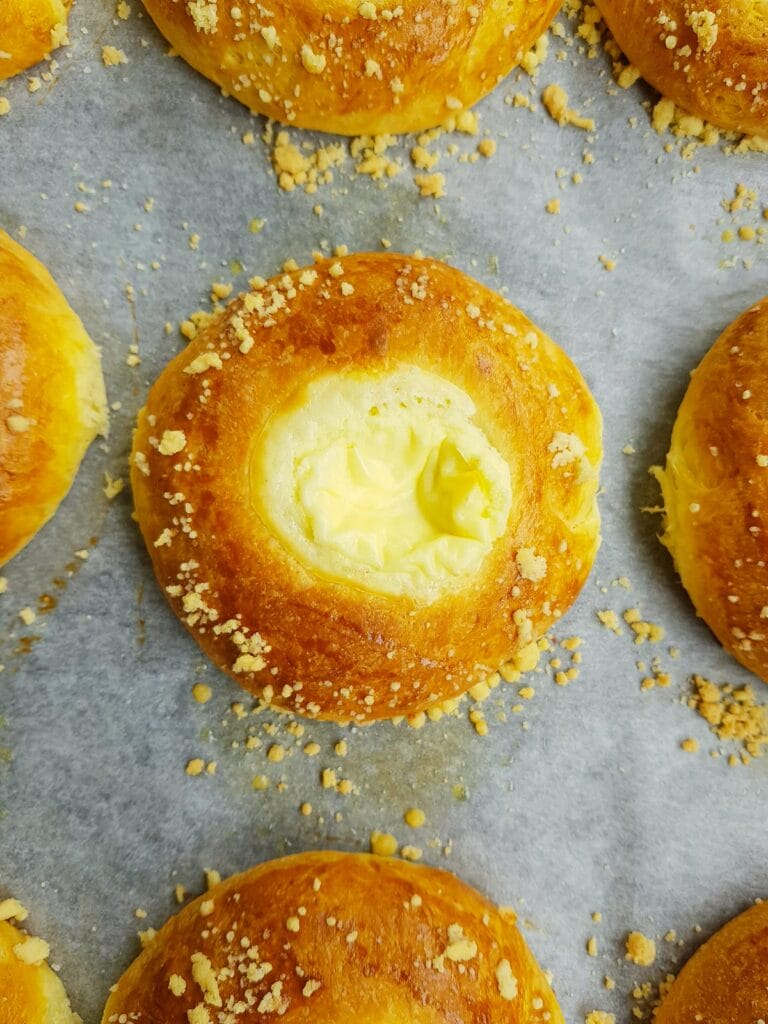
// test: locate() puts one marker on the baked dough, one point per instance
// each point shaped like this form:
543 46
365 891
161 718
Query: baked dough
356 68
367 484
29 31
338 938
710 58
726 980
715 489
30 993
52 401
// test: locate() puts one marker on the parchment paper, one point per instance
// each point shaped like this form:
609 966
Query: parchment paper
584 802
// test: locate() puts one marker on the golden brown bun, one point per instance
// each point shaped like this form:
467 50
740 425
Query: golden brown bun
30 993
29 31
716 492
714 67
375 68
325 648
338 938
52 401
726 980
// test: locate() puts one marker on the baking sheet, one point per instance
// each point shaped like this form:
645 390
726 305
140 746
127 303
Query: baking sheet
582 803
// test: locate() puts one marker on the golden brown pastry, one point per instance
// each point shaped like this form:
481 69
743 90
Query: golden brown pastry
710 58
366 68
339 938
726 980
52 401
29 31
715 489
367 484
30 993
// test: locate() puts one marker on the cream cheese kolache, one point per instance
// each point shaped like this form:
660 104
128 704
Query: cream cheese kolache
52 400
301 938
29 31
710 58
715 489
367 484
30 992
726 980
356 67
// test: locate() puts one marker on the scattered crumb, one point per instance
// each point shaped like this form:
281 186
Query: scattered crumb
383 844
555 100
111 56
202 693
640 949
414 817
733 713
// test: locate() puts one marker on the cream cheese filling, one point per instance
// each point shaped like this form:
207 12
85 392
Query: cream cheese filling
383 481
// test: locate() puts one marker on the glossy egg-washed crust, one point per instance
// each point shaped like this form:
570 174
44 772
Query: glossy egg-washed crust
348 939
726 980
356 68
328 649
29 31
29 993
720 76
52 401
716 491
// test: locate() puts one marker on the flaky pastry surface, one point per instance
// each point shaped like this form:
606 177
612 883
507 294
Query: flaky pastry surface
341 938
710 58
324 647
29 30
356 68
726 980
52 401
715 489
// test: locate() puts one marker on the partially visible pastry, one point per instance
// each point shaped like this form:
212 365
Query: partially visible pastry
715 489
711 59
726 980
52 401
356 68
30 993
337 938
367 484
29 31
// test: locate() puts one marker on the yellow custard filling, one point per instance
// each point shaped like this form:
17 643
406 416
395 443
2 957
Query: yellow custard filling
383 481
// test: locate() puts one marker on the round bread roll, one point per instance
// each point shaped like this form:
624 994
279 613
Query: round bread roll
30 993
356 68
711 59
715 489
726 980
29 31
339 938
367 484
52 401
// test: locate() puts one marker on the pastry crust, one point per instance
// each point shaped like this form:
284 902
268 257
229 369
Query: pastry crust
356 68
326 648
30 993
29 31
726 980
52 401
301 938
710 58
715 489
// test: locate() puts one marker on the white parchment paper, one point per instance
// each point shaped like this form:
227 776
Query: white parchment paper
584 802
